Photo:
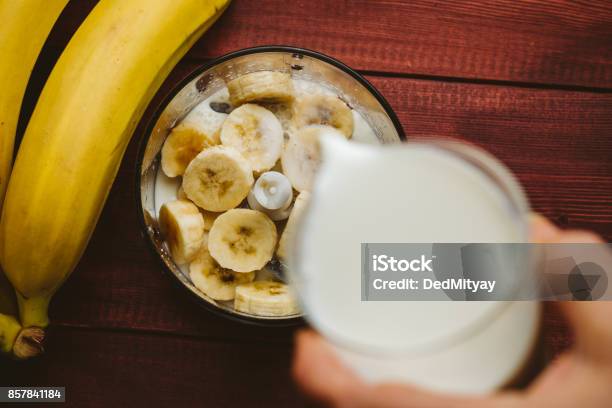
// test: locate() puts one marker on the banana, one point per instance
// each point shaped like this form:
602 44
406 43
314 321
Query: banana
218 179
284 114
266 298
8 303
180 194
262 86
24 19
23 342
301 155
285 242
256 133
326 110
76 137
31 19
182 227
198 130
9 326
242 240
215 281
208 216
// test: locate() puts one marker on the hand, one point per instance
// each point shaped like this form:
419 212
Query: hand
581 377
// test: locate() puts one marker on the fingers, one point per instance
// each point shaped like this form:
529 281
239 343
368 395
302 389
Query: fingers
591 324
571 381
407 396
541 229
322 375
590 320
319 372
544 231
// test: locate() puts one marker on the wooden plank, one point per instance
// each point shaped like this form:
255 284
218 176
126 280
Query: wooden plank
103 369
548 42
119 283
558 143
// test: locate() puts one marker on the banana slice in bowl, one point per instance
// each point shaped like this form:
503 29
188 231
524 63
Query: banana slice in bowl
182 226
301 155
198 130
328 110
214 280
209 218
242 240
266 298
261 86
218 179
256 133
292 224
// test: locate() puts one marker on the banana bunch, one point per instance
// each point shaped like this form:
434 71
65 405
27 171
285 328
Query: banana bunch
80 128
31 19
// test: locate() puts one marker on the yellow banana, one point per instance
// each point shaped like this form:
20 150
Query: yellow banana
31 20
9 326
24 29
78 133
24 343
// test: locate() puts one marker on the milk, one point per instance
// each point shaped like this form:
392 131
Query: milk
416 193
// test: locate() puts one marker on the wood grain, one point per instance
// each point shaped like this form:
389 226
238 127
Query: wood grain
103 369
557 142
546 42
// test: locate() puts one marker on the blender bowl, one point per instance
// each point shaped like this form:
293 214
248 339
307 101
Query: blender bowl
350 86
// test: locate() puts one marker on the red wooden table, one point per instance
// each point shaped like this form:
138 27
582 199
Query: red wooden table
529 81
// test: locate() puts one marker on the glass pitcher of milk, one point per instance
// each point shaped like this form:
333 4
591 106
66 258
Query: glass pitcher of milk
414 192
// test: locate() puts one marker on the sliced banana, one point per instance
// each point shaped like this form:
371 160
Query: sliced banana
182 227
266 298
301 156
215 281
326 110
262 86
256 133
242 240
209 218
197 131
180 194
218 179
285 242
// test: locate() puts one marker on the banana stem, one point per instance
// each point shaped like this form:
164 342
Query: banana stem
33 310
29 343
9 330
